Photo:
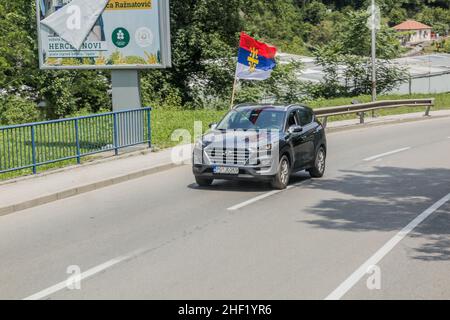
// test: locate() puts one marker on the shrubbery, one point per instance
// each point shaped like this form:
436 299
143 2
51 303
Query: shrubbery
16 110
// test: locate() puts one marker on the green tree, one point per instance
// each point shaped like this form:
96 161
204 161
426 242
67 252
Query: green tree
351 75
18 64
353 37
15 110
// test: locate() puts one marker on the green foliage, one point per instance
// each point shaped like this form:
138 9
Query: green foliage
447 46
356 75
18 65
283 86
16 110
65 92
353 37
438 18
279 22
166 121
204 43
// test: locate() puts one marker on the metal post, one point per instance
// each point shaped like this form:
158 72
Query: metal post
410 85
149 127
33 149
361 117
116 135
374 53
325 122
77 141
374 56
233 94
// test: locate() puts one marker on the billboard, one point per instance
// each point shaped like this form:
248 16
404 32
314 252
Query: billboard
128 34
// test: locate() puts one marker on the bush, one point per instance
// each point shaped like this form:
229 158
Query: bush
447 46
17 110
350 75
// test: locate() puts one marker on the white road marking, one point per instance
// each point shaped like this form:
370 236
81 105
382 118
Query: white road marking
381 253
261 197
378 156
85 275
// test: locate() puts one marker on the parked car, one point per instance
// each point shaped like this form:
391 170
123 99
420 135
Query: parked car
263 143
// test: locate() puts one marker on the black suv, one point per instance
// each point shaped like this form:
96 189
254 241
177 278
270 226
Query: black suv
261 142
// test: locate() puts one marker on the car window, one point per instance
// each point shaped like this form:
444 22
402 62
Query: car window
292 120
305 117
253 119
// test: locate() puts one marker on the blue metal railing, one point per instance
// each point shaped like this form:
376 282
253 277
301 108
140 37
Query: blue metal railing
28 146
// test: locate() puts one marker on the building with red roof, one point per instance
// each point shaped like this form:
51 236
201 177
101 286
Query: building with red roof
414 31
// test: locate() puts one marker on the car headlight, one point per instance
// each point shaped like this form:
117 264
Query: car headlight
199 144
202 143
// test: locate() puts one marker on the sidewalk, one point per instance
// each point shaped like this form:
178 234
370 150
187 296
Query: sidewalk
32 191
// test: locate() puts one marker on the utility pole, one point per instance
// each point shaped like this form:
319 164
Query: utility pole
374 50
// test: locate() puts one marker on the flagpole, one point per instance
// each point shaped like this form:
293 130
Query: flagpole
233 95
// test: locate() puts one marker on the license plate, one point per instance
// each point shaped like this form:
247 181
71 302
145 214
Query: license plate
226 170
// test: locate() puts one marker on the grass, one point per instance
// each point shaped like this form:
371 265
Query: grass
442 101
166 121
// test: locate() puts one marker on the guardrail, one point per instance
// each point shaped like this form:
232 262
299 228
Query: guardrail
32 145
362 108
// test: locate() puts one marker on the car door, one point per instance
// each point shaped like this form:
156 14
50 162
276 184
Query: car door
306 121
296 140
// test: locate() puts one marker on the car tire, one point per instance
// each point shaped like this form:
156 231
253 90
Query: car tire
204 182
319 164
281 180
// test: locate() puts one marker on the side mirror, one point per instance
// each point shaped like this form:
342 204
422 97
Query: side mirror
295 129
213 126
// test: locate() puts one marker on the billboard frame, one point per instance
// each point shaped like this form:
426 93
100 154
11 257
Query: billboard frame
166 50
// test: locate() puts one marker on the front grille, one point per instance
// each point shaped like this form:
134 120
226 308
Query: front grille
238 157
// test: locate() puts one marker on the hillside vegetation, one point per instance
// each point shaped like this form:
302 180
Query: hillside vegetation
202 31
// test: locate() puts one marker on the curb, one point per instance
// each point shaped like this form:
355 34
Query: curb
88 162
72 192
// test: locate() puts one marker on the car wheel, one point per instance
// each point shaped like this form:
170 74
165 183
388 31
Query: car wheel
319 164
281 180
204 182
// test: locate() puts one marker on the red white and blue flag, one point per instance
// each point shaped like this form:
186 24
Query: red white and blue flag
256 60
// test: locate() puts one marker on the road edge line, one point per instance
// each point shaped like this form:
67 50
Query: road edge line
356 276
386 154
263 196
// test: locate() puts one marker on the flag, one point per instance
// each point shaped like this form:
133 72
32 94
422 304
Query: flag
75 21
256 60
43 7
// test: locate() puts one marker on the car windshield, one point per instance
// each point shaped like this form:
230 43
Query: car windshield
253 119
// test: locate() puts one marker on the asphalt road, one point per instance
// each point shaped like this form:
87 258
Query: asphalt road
162 237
